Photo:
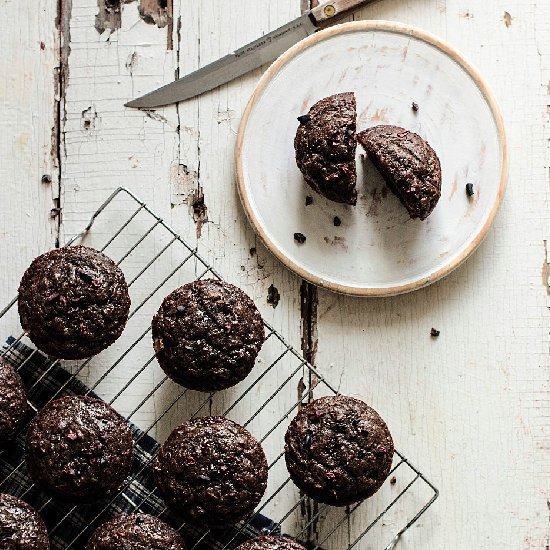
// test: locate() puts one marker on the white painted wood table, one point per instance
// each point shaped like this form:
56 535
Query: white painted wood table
470 408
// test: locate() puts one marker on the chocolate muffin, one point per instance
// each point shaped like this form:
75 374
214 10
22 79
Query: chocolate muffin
409 165
21 528
135 532
212 471
325 147
338 450
270 543
79 449
13 402
207 334
73 302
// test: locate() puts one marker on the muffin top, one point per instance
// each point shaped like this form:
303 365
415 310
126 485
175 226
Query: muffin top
79 449
212 471
21 528
73 302
270 543
338 450
135 532
207 334
13 402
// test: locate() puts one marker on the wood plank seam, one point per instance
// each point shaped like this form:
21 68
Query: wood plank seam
308 312
64 9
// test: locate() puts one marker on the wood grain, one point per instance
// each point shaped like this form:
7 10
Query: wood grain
28 154
470 407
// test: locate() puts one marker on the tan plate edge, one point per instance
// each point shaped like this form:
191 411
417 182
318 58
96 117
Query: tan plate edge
388 26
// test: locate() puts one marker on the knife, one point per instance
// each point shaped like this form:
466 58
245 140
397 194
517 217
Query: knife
253 55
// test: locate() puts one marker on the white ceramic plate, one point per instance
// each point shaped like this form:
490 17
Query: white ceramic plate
378 250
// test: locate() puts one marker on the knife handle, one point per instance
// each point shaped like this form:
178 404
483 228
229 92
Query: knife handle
331 10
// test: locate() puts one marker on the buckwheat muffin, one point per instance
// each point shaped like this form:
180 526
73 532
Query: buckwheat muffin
338 450
73 302
271 543
325 147
409 165
79 449
212 471
13 402
21 528
207 335
135 532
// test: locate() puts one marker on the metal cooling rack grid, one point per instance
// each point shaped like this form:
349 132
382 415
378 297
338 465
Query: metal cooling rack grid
270 400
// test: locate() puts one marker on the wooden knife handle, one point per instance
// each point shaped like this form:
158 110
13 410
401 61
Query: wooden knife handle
331 10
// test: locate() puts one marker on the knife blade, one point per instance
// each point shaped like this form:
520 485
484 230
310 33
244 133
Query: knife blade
249 57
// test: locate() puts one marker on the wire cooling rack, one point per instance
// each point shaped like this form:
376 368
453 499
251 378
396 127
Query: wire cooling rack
155 260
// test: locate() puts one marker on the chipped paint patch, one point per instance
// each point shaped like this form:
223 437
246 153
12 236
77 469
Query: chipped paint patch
185 189
199 209
132 62
89 118
156 12
273 296
507 18
134 161
109 16
308 312
183 183
61 80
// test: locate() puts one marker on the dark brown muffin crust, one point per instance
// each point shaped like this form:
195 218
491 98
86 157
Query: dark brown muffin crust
73 302
325 147
212 471
270 543
135 532
338 450
21 528
13 402
409 165
207 335
79 449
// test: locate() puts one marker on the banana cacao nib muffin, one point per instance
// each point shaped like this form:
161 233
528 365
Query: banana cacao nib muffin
79 449
21 528
13 402
338 450
135 532
271 543
212 471
207 335
409 165
325 147
73 302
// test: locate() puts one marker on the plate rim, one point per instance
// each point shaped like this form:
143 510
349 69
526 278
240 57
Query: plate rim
407 30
